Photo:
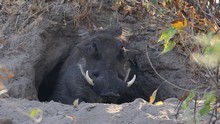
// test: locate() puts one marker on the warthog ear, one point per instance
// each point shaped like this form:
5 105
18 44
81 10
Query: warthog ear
114 30
130 53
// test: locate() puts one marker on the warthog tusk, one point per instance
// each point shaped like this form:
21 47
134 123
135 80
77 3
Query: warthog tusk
86 76
129 83
127 74
89 80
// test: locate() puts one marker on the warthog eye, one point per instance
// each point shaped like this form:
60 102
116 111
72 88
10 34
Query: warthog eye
121 76
96 54
121 54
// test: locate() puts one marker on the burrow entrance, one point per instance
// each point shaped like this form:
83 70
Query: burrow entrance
59 43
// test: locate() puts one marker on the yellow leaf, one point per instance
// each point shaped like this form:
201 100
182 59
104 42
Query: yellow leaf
158 103
179 24
76 103
36 115
153 97
164 4
218 109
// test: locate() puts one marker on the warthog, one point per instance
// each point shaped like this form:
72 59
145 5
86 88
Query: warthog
97 70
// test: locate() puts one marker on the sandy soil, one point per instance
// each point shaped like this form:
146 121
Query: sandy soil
17 111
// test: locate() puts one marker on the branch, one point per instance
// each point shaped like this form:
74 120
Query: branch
161 76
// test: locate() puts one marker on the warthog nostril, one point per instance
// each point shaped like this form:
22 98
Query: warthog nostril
110 94
95 74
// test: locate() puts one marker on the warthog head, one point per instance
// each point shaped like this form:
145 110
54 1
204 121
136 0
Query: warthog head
105 63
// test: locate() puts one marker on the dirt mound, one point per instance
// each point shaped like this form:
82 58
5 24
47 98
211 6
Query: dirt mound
139 111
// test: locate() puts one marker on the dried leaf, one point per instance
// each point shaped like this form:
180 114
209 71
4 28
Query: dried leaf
158 103
184 96
218 109
2 41
153 97
179 24
116 5
76 103
7 72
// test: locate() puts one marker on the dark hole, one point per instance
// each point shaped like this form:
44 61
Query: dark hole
49 81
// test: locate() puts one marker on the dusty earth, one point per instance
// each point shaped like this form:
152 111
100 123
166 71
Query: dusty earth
137 112
35 36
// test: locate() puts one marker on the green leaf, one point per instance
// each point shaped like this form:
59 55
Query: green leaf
147 4
192 94
167 35
185 104
34 113
210 97
205 109
168 47
214 50
209 50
